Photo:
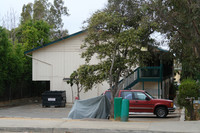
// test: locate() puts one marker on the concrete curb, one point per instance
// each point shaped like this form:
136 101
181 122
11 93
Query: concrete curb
182 118
73 130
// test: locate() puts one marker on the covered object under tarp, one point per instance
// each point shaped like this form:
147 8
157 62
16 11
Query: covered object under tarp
97 107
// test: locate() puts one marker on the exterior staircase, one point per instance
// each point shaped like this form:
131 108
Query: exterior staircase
141 74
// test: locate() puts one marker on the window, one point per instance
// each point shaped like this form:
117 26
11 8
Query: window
127 95
139 96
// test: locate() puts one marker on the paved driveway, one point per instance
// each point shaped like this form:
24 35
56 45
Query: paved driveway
37 111
34 111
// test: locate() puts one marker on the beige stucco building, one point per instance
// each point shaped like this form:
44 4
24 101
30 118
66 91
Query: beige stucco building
56 61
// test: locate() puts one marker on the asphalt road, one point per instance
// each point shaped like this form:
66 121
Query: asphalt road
37 111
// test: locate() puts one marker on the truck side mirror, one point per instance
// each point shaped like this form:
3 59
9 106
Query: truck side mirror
147 98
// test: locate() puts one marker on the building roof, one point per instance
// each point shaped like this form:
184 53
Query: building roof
163 50
67 37
58 40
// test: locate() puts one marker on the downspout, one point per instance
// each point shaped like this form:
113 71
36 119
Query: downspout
161 76
51 77
38 60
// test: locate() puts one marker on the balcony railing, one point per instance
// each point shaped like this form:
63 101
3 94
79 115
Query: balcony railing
150 72
141 74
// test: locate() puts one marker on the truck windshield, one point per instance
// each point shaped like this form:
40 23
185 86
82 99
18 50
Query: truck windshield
149 95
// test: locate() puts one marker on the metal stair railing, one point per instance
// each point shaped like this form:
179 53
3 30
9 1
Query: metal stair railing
140 73
124 83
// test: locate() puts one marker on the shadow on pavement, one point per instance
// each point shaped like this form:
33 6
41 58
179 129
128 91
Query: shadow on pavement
151 117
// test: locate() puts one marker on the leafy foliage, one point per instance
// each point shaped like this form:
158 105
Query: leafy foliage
85 77
5 52
15 71
42 10
178 19
33 33
188 89
56 11
116 36
74 79
26 14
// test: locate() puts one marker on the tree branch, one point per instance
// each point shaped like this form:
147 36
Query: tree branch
195 27
193 22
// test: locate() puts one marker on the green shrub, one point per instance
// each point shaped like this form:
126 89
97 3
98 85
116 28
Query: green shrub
188 88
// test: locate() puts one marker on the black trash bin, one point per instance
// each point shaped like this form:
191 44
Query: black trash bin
54 98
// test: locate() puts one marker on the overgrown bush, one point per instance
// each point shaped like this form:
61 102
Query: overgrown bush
189 88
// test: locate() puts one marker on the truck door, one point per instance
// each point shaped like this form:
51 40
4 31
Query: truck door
140 103
128 95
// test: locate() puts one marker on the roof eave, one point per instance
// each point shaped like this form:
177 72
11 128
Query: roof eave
58 40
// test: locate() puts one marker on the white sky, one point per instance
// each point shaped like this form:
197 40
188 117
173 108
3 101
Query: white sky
79 11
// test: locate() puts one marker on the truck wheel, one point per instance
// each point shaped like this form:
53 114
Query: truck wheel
161 112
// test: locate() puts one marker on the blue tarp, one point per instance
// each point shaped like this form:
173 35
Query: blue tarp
97 107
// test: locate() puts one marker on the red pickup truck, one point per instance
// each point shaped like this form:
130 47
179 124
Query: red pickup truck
142 101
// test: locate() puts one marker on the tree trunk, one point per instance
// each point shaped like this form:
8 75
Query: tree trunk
72 95
78 95
114 91
191 109
112 108
112 102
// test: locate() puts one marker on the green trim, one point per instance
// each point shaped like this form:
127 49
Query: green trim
163 50
149 67
161 76
66 37
132 84
158 89
160 49
150 79
143 85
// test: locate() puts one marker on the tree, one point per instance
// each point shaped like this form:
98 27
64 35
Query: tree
40 10
15 71
33 33
74 79
85 77
56 11
9 22
11 65
51 13
18 69
5 51
27 12
30 34
55 15
116 35
178 19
